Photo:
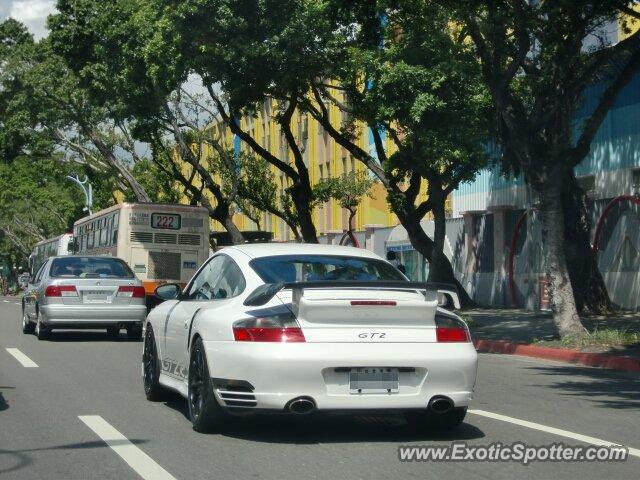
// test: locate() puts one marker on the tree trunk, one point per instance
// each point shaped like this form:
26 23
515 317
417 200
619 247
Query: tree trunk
233 230
302 200
138 190
589 288
440 269
565 314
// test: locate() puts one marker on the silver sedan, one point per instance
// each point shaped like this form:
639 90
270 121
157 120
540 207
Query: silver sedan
84 292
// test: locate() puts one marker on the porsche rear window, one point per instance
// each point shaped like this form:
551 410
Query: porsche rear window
90 267
307 268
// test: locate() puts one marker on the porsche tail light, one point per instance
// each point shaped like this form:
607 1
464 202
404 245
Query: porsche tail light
130 291
282 328
451 329
61 291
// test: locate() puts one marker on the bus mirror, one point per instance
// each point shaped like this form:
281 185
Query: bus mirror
168 291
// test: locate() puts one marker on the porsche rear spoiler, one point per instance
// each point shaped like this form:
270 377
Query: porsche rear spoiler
264 293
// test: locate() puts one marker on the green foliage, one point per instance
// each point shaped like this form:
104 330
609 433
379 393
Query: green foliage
157 182
348 189
606 337
36 202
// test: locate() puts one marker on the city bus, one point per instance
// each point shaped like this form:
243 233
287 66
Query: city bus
51 247
160 242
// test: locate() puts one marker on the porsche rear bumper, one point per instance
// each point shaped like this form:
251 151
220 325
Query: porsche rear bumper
275 373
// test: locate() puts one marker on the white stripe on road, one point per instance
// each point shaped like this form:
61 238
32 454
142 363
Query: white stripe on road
142 463
555 431
6 301
22 358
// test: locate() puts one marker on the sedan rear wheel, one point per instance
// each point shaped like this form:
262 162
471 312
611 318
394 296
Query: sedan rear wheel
205 412
134 333
41 331
151 368
27 325
113 332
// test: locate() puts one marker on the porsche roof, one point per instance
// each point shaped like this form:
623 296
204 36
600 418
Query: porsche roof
255 250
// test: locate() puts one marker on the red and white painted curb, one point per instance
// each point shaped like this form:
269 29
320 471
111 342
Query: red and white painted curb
612 362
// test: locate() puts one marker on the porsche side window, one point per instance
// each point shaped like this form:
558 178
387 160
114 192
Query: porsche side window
232 282
202 287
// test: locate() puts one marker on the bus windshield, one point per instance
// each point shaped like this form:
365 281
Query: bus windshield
90 267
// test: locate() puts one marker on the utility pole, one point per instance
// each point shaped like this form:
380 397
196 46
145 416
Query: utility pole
86 187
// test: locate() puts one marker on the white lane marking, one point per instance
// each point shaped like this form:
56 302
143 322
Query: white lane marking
6 301
142 463
22 358
555 431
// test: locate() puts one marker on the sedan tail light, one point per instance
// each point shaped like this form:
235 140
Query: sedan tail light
277 328
61 291
130 291
451 329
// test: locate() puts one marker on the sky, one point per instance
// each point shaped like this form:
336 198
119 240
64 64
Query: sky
33 13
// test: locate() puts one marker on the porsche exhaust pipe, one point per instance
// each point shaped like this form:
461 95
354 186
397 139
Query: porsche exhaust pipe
440 404
301 406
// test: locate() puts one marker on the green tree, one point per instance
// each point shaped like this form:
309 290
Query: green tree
538 60
348 190
108 44
36 202
43 103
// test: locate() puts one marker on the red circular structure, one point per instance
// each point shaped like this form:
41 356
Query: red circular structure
349 239
605 213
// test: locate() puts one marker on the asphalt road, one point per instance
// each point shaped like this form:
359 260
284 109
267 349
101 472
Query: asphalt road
55 418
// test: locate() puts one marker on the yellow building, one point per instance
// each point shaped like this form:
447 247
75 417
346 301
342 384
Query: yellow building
323 157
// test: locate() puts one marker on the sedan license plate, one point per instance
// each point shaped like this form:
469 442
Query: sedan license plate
373 380
97 296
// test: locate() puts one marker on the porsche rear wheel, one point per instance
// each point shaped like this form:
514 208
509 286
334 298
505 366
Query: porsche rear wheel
205 412
151 368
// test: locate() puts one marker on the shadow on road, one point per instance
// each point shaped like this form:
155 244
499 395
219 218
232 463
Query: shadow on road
22 458
328 428
3 403
605 388
87 336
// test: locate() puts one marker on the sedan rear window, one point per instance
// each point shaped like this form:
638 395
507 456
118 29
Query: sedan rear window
307 268
90 267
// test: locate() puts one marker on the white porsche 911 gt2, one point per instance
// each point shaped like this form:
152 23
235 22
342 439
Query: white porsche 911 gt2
300 328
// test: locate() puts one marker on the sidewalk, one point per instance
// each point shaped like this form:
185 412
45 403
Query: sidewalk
505 330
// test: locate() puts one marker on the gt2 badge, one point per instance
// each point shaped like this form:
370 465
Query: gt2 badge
372 335
174 368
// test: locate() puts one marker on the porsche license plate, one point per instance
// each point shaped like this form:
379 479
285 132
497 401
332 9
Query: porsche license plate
373 380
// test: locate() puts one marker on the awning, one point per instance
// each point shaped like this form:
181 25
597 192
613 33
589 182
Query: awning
398 240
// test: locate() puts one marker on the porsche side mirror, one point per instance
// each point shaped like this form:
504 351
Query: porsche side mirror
168 291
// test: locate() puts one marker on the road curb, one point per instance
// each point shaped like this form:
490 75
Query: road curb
612 362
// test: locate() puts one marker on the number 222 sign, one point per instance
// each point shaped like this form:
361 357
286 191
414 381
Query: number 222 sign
165 221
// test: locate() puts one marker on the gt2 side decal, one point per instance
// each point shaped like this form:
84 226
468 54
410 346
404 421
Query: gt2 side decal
174 368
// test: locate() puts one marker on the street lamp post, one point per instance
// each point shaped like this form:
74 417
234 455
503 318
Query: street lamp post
85 185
